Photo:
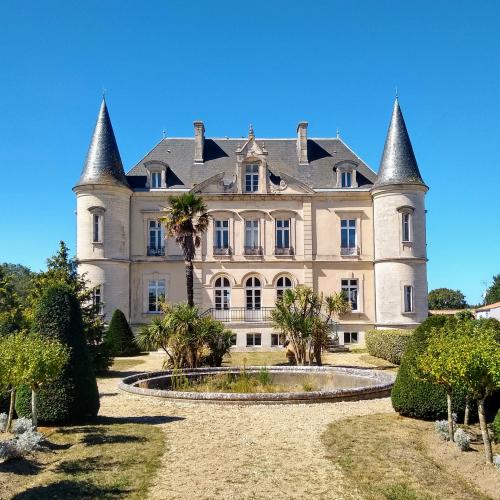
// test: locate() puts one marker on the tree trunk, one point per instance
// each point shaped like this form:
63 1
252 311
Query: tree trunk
467 410
317 355
34 408
484 431
11 409
189 283
450 417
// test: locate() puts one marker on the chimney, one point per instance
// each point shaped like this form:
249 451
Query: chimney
302 142
199 141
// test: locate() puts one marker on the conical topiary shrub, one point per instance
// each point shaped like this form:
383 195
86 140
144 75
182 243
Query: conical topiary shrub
413 397
119 336
74 396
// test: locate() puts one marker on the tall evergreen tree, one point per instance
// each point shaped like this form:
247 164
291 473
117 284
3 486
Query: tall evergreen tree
493 291
11 319
119 336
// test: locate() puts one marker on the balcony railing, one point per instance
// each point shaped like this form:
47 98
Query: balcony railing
284 251
222 251
349 251
240 314
156 251
253 250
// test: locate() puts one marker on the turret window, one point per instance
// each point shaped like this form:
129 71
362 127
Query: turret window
97 299
406 226
408 298
252 178
96 228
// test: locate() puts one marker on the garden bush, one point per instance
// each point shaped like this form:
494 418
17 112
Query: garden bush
462 439
119 337
388 344
74 396
413 397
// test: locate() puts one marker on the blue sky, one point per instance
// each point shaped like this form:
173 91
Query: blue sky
272 63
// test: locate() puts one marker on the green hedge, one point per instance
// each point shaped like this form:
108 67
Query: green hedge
74 396
413 397
496 427
119 337
388 344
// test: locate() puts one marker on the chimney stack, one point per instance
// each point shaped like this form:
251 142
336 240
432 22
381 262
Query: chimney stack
302 142
199 141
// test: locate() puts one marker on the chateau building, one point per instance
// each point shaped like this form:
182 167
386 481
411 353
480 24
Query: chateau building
283 212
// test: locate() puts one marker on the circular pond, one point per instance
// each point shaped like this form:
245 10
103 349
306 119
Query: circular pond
256 384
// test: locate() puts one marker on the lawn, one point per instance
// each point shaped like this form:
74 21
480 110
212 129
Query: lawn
106 459
396 458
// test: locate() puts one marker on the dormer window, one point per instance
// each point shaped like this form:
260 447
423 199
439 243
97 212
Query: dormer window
156 180
252 178
346 179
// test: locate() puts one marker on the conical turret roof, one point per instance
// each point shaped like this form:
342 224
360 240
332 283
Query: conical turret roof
398 164
103 164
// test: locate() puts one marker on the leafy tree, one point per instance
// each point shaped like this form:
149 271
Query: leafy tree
41 360
186 220
493 291
74 395
119 336
446 298
61 269
11 318
217 339
22 280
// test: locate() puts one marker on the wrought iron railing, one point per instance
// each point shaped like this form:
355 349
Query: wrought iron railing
253 250
349 251
156 251
222 250
240 314
283 251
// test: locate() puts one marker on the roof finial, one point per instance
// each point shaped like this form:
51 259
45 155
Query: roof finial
104 94
251 134
338 133
397 95
163 133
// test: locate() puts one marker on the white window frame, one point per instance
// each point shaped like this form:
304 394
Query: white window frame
222 294
281 286
352 243
97 299
406 227
159 231
221 226
283 227
252 178
350 336
279 336
97 226
156 179
408 299
351 286
254 293
252 226
346 178
254 336
156 284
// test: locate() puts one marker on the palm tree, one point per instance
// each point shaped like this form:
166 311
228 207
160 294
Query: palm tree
186 220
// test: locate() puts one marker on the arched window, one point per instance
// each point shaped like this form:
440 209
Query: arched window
253 294
283 283
222 296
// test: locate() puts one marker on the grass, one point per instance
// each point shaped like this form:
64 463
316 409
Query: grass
385 458
124 364
101 460
265 358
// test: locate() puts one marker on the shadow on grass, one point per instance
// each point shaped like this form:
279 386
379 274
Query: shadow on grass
84 465
22 467
71 489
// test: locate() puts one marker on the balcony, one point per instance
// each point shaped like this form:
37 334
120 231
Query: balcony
253 250
156 251
284 251
221 251
240 314
349 251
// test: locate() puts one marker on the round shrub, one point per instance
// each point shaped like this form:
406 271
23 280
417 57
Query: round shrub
388 344
74 396
119 336
413 397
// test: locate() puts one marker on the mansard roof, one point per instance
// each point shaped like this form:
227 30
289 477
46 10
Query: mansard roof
398 164
220 157
103 164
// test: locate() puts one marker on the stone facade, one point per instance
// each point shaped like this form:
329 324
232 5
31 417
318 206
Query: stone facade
283 212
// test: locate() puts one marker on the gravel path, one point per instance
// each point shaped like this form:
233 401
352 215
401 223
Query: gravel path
233 451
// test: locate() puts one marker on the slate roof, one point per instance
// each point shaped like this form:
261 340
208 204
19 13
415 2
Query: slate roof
220 157
103 164
398 164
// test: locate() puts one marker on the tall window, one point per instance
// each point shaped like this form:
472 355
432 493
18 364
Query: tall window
253 294
156 179
408 298
156 294
346 179
406 226
350 289
283 283
222 297
282 233
97 299
221 234
97 228
156 243
348 235
252 178
251 233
